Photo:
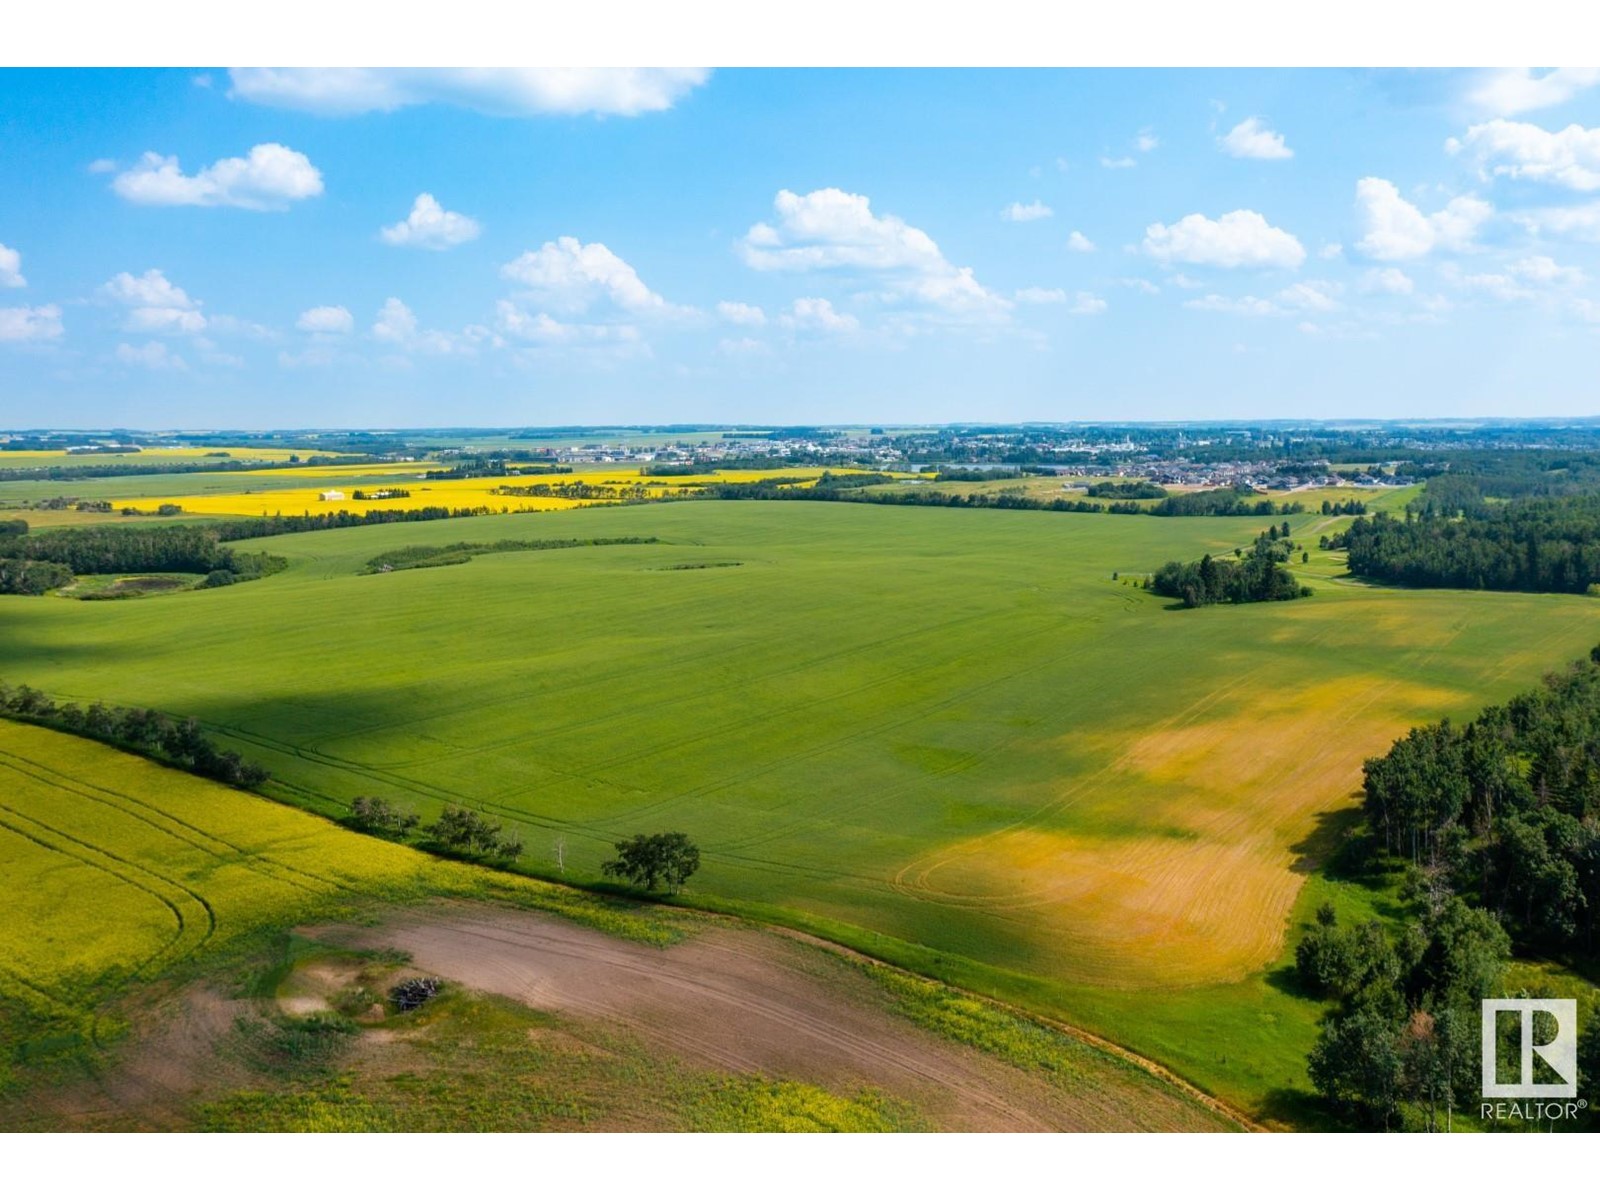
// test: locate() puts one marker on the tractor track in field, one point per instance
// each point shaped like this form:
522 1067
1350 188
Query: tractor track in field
157 819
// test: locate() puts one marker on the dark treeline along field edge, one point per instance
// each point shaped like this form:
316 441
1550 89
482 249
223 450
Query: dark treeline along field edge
175 742
33 564
1494 828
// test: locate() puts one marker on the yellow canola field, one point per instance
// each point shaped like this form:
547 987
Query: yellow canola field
617 479
447 493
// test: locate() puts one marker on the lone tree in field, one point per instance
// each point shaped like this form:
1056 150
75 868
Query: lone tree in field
648 859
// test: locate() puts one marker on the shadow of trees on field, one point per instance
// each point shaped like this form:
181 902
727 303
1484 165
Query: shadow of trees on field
1340 847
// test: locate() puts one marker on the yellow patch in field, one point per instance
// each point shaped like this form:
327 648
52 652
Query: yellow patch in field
1173 863
618 482
1142 911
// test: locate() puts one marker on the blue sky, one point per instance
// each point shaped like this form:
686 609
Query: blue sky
205 248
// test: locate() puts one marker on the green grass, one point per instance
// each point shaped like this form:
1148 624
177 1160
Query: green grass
945 736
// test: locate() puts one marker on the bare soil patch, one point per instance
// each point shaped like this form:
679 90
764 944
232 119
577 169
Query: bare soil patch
743 1001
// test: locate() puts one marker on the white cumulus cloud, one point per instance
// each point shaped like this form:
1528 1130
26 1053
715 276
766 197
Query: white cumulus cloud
1395 229
155 304
11 268
573 276
31 324
1034 211
500 92
430 227
1241 238
1567 157
326 319
1079 244
1508 91
397 326
1251 138
834 230
269 177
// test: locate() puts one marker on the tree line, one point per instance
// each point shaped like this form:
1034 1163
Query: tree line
1223 502
652 861
1139 489
174 742
1250 576
411 557
1343 508
259 527
32 565
1495 826
1546 545
1505 810
79 471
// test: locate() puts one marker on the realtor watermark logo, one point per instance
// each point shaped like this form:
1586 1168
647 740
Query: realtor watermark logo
1560 1053
1557 1051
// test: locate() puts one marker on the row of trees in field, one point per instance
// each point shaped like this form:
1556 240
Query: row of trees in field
851 488
1139 489
209 465
1548 545
176 742
1251 576
574 490
1343 508
243 528
406 558
1496 827
652 861
1223 502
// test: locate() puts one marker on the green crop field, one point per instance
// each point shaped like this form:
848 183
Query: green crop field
949 737
130 881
